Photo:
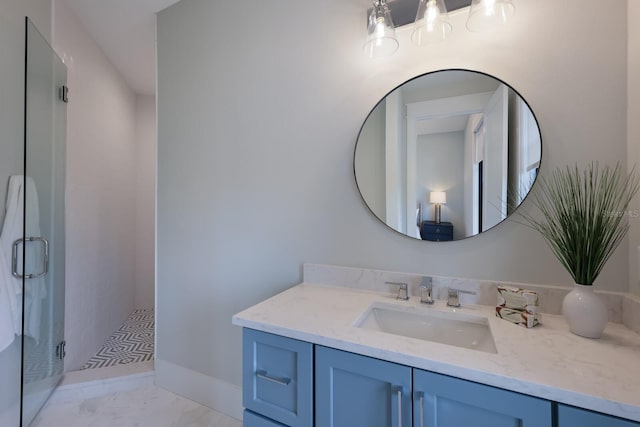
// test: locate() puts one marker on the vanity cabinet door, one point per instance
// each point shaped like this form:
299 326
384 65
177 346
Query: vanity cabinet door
443 401
568 416
277 379
359 391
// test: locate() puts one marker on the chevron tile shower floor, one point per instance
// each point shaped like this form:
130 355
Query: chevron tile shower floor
132 342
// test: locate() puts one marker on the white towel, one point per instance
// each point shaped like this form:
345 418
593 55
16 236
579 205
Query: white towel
7 297
35 289
10 295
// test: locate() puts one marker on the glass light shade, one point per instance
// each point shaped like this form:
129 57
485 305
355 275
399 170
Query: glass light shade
432 22
485 14
439 197
381 39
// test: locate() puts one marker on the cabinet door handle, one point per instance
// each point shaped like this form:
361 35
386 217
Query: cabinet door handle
278 380
421 397
399 406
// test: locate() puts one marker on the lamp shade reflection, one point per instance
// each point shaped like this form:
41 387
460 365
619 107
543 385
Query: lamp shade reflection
439 197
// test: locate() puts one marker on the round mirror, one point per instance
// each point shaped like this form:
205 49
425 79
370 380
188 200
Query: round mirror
447 155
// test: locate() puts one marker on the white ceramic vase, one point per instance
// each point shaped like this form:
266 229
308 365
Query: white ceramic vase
585 312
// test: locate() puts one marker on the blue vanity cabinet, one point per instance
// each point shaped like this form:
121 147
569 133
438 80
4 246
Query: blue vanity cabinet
277 380
251 419
291 383
359 391
443 401
569 416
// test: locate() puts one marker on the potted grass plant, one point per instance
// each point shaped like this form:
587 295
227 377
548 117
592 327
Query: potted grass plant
583 218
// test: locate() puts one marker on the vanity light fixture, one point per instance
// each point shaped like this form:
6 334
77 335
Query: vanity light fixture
439 198
431 23
381 39
484 14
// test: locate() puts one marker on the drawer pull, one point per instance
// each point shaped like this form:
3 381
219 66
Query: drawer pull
278 380
399 406
421 397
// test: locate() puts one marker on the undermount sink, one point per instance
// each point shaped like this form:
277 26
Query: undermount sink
445 327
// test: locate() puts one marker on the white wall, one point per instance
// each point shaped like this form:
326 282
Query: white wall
633 138
12 44
370 162
101 184
145 170
255 147
441 168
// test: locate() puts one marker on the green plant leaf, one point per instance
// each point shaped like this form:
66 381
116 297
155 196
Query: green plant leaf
582 215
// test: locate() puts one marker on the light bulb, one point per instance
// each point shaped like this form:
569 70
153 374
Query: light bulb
431 23
486 14
432 15
380 27
489 7
382 40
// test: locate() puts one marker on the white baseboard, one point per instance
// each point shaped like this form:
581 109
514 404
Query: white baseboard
209 391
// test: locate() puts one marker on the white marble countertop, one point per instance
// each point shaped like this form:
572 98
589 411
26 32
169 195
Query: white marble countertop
546 361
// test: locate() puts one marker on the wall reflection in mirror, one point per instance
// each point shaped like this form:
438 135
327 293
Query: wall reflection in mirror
447 155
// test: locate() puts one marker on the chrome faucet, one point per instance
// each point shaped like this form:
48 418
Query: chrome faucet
403 290
454 296
426 290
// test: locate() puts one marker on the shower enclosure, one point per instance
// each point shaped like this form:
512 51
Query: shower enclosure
44 242
32 240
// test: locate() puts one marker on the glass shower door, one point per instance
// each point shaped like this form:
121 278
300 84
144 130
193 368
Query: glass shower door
43 246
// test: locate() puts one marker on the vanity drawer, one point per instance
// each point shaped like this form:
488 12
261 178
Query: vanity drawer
277 377
437 237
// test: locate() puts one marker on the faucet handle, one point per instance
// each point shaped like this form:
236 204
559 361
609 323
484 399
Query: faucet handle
453 299
426 291
403 290
454 296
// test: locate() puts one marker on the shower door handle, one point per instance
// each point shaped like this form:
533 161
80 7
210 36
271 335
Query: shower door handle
45 257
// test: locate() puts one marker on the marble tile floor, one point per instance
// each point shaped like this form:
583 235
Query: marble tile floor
123 395
146 406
